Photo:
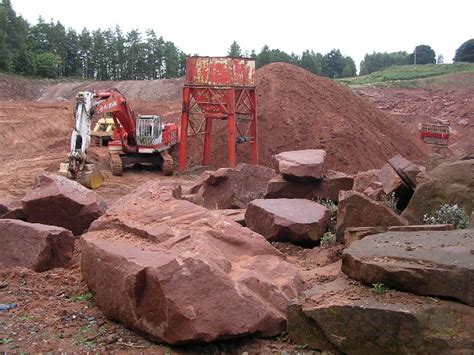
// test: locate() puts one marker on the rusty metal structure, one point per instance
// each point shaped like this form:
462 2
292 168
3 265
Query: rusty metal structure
219 88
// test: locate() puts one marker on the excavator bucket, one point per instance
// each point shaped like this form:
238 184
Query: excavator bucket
89 177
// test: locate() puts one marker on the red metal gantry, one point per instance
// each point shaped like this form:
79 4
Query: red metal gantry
219 88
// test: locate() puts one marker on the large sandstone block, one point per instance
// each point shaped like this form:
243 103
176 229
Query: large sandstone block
357 210
228 188
298 221
301 165
352 234
327 188
35 246
451 182
179 273
11 209
437 263
344 317
58 201
393 183
406 169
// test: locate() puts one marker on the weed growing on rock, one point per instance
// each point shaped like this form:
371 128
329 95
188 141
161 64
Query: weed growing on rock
390 201
448 214
330 205
328 240
379 287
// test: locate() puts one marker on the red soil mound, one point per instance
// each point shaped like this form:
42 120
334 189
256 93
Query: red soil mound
299 110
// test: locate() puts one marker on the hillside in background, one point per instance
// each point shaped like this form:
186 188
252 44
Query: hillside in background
408 76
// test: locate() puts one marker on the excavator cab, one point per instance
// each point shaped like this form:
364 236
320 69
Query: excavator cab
149 130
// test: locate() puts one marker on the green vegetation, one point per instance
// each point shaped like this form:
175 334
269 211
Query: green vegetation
448 214
379 288
465 52
390 201
406 75
328 240
5 340
81 297
330 205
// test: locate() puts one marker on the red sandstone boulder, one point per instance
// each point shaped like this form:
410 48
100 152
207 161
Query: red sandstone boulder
301 165
368 183
433 263
357 210
228 188
327 188
344 317
393 183
179 273
297 221
58 201
11 209
35 246
451 182
406 169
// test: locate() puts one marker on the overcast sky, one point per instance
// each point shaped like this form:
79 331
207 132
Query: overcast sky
208 27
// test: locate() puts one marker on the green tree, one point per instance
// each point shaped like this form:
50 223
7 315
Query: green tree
465 52
172 60
333 64
423 54
234 50
85 48
378 61
48 65
312 62
155 52
13 38
72 63
99 56
349 69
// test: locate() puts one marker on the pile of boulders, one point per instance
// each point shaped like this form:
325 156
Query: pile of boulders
289 212
304 174
411 292
39 231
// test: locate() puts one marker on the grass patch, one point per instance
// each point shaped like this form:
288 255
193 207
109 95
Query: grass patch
406 75
379 288
83 297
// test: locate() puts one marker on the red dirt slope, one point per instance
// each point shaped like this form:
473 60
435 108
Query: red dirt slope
299 110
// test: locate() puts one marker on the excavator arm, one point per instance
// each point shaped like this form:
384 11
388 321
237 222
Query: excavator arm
77 167
112 101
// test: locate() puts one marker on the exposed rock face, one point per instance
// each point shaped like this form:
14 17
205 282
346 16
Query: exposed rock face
357 210
35 246
297 221
342 316
58 201
11 209
180 273
352 234
390 180
231 188
365 179
393 183
301 165
406 169
451 182
327 188
438 263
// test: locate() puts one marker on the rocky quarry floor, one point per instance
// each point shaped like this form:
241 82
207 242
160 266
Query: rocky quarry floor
308 252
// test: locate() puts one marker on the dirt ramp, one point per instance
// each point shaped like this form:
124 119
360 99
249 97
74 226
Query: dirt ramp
145 90
299 110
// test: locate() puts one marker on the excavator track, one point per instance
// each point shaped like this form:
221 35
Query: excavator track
116 165
168 163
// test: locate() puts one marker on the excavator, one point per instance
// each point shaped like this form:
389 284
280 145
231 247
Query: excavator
140 139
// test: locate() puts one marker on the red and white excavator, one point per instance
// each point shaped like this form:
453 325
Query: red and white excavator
137 139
